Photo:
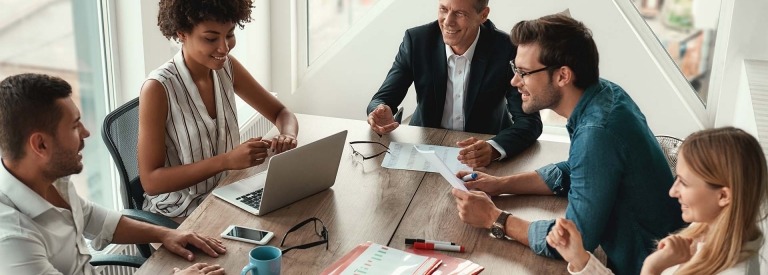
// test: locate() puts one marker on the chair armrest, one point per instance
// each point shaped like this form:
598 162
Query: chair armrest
114 259
149 217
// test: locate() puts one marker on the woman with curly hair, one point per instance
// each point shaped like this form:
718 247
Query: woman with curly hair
722 182
188 130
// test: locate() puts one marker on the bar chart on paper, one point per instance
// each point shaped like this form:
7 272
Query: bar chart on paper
378 259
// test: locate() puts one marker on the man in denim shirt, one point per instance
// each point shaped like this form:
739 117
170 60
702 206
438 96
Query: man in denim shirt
616 176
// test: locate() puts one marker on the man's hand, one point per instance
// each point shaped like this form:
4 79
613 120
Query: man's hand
200 269
489 184
475 208
566 238
672 250
176 242
476 153
381 120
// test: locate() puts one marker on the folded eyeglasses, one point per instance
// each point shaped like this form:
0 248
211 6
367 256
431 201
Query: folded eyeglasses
323 233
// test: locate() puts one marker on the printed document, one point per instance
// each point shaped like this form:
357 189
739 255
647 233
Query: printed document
442 169
404 156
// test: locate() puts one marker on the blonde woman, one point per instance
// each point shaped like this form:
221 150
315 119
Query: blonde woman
721 185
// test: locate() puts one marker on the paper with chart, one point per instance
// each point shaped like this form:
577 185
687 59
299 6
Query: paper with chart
442 169
405 157
378 259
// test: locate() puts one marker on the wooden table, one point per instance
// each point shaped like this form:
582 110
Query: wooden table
370 203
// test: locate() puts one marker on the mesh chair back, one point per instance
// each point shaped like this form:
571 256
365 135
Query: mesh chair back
121 133
670 146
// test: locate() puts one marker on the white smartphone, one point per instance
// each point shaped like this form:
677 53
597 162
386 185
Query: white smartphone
249 235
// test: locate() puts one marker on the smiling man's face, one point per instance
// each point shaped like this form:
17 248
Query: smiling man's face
459 22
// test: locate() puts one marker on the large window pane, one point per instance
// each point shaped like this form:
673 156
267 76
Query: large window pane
686 29
62 38
329 19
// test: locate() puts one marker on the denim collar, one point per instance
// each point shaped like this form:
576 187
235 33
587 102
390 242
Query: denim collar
590 93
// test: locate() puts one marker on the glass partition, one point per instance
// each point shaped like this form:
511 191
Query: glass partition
687 30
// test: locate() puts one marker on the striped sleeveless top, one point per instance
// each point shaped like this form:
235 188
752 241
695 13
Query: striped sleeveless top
191 135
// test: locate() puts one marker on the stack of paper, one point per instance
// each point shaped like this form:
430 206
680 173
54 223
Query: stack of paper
370 258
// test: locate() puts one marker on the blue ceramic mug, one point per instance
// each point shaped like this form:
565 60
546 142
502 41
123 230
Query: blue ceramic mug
264 260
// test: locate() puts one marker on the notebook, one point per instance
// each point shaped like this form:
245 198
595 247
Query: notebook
290 176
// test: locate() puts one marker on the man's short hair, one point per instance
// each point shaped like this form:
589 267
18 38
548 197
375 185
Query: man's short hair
564 41
481 4
28 104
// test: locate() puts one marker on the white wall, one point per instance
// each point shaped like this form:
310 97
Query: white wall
746 39
140 47
346 80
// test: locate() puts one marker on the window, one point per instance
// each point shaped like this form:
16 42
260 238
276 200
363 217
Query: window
686 29
63 38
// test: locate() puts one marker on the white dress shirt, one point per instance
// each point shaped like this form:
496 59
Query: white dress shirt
39 238
456 90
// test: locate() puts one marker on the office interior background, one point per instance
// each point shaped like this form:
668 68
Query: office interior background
689 64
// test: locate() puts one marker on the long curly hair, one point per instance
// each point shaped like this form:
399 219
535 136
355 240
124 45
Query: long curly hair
182 15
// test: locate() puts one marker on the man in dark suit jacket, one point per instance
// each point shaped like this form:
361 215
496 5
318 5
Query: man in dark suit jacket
462 83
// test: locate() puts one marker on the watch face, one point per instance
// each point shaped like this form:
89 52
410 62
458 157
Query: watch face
497 232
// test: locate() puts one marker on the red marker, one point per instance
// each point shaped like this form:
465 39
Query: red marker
443 247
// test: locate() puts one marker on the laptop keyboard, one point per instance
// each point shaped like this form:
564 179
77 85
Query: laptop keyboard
252 199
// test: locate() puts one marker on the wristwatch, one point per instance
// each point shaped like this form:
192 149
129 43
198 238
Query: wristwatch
498 229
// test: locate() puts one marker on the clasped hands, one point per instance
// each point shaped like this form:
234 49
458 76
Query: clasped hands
255 150
474 153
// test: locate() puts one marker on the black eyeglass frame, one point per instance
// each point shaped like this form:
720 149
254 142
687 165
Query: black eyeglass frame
323 233
522 74
355 152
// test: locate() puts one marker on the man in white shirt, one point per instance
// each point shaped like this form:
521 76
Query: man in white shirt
42 219
459 68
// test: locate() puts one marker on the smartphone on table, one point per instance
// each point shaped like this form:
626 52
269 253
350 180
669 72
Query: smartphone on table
245 234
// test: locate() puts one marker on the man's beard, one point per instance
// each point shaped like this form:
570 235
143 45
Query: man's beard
63 163
546 100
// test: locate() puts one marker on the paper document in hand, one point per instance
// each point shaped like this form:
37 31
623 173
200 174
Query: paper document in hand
442 169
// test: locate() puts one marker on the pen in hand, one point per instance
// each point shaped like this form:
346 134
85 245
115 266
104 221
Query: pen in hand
469 177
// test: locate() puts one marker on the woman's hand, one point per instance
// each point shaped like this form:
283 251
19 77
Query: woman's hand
566 238
672 250
249 153
282 143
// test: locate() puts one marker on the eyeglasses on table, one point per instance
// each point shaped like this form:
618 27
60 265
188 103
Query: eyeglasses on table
360 157
321 232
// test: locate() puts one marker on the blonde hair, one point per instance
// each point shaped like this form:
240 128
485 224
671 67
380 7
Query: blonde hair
726 157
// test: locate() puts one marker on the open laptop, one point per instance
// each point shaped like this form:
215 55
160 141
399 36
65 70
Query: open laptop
290 176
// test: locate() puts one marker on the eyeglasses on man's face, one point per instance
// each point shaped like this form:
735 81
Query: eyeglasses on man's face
360 157
321 231
523 74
